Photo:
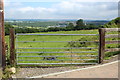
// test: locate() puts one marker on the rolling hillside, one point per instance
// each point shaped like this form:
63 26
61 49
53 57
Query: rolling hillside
115 23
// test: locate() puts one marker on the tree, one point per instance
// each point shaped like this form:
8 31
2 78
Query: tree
80 24
91 26
7 27
70 26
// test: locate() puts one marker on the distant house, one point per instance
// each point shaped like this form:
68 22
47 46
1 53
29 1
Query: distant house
58 26
62 25
50 26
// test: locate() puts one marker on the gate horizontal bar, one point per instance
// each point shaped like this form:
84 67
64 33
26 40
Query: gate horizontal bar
112 50
112 36
56 41
50 63
63 34
112 42
111 29
62 52
62 48
60 60
63 56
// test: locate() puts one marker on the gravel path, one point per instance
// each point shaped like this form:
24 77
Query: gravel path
103 71
30 72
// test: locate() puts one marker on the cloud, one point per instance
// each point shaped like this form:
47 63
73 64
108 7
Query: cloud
88 10
26 9
30 12
65 10
12 4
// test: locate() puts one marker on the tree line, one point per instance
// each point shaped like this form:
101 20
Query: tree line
80 25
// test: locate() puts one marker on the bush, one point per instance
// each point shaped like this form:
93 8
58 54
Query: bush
7 27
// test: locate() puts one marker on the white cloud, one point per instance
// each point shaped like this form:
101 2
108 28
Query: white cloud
87 10
26 9
40 10
66 9
12 4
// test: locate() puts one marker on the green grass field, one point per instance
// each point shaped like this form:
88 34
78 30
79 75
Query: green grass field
61 52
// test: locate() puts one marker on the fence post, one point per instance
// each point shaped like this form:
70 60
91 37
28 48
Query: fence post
2 34
101 44
0 43
12 46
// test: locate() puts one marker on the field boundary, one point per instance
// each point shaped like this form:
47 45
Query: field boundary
101 47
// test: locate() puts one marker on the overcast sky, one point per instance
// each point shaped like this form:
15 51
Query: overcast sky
61 9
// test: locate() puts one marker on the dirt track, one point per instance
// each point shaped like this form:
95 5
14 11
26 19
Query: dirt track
107 71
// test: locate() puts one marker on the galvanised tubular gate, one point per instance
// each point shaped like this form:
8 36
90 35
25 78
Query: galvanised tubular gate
71 56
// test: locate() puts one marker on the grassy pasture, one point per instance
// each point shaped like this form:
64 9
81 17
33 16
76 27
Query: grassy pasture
62 52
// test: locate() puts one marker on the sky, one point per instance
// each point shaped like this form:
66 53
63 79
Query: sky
61 9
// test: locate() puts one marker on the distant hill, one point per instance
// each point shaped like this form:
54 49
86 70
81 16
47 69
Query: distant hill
115 23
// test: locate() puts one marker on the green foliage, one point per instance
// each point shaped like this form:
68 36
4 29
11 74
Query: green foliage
113 24
7 27
80 24
35 26
7 73
78 44
70 27
34 23
110 54
92 26
26 30
82 44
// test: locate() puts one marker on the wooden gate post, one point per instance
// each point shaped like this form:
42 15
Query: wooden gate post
101 44
12 46
0 43
2 34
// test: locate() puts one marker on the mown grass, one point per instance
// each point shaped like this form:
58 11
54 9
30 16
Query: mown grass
59 45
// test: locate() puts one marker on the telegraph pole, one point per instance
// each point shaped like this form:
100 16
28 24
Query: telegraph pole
2 35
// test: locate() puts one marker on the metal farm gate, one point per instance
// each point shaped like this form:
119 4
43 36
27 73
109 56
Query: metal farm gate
56 49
